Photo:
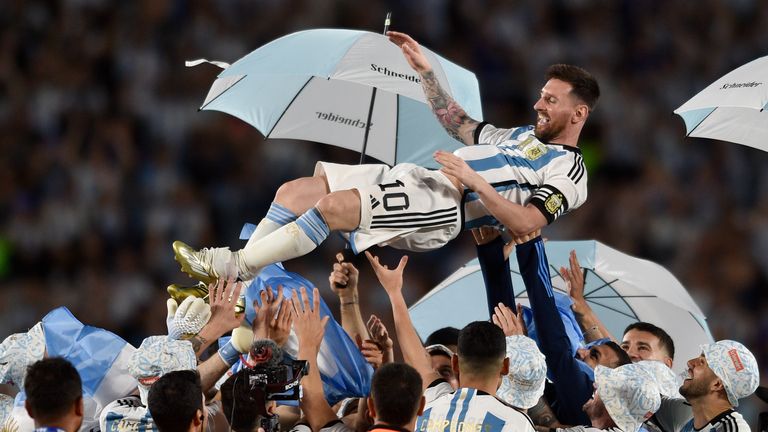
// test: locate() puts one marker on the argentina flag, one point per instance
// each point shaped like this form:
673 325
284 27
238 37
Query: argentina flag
100 357
343 369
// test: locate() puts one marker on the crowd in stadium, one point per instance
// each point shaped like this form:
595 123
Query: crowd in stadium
106 161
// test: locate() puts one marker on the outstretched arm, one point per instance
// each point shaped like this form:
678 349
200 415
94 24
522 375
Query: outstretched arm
519 219
414 353
590 324
343 281
450 114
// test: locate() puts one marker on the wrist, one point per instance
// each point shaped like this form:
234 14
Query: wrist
354 298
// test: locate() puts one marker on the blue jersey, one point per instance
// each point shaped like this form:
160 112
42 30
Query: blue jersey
523 170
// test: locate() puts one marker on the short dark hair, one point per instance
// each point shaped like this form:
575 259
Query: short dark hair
444 336
52 386
481 345
174 399
396 390
583 84
236 396
624 358
665 340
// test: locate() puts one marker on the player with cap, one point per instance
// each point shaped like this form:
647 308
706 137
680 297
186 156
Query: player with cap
624 398
725 372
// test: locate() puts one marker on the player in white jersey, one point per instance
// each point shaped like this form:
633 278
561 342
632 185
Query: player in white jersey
524 179
481 363
725 372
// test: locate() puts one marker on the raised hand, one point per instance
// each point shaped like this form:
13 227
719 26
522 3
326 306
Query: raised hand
391 280
510 323
411 50
309 327
344 273
574 281
380 336
223 298
188 318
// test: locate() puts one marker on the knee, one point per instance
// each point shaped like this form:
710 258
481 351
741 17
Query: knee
288 191
341 210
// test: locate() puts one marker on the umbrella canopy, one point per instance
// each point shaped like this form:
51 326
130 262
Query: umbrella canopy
324 85
620 288
732 108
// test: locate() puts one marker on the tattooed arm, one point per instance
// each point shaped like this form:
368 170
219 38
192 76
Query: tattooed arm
450 114
542 416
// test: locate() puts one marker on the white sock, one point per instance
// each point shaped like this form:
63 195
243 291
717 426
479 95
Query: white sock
277 216
290 241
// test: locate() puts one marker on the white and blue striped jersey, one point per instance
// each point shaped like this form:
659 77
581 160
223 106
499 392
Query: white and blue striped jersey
523 170
469 410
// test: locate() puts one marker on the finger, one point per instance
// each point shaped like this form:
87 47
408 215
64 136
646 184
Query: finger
280 297
401 265
172 306
324 321
305 300
371 322
297 307
339 258
371 259
507 312
359 341
316 301
236 292
263 298
495 320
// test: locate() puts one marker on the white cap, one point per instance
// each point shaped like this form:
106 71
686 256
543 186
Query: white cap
629 393
18 351
736 367
157 356
667 381
524 385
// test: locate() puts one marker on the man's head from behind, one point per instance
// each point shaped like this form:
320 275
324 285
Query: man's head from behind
566 100
175 402
645 341
54 394
396 395
482 351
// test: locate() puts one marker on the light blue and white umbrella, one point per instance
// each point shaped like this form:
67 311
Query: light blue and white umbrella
621 289
326 85
734 108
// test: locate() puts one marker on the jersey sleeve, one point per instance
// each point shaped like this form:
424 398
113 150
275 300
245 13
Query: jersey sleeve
437 389
564 188
486 133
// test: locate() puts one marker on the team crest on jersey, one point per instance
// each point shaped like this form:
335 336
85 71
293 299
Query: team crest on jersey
553 203
532 148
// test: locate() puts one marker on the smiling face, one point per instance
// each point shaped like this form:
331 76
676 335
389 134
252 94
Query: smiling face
700 381
556 111
642 345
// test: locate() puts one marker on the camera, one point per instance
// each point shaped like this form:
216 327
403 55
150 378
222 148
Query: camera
245 394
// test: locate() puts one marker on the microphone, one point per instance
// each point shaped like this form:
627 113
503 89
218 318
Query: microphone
266 353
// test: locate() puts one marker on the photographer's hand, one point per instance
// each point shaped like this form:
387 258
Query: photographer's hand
310 329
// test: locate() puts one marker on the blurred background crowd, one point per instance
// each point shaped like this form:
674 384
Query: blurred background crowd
105 159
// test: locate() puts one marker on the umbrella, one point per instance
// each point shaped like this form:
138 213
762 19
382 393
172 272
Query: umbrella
326 85
732 108
620 288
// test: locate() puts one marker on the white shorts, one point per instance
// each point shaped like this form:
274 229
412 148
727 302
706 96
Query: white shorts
407 206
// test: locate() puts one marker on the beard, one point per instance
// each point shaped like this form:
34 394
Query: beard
547 132
693 388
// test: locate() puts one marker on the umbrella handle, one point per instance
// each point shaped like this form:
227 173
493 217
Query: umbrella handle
387 21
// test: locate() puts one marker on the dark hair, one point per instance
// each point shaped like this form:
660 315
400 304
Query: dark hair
665 341
444 336
174 399
52 386
396 390
620 353
583 84
481 346
235 395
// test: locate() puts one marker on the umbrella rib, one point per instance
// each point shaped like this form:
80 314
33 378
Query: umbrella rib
618 311
623 296
699 123
600 287
218 95
288 106
397 125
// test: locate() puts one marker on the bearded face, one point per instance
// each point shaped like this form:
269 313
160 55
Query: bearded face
554 110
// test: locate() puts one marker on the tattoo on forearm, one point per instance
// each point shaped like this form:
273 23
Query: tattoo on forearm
450 114
542 414
197 342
